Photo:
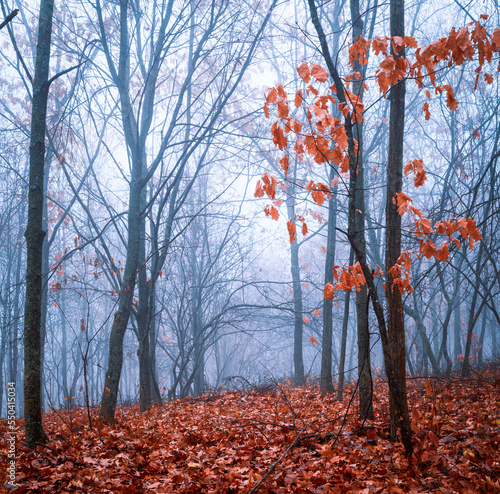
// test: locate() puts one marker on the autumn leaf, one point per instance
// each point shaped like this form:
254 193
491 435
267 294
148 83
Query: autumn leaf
291 230
451 102
284 164
379 45
304 73
418 168
328 291
314 341
282 108
279 138
272 211
358 51
428 249
319 73
401 200
443 253
298 98
425 111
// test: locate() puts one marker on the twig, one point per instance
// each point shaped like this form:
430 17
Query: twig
275 464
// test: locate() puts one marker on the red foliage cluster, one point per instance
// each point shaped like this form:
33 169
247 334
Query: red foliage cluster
226 443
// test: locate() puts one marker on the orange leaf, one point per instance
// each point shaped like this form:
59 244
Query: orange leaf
328 291
418 167
284 164
279 138
443 253
291 230
318 197
313 340
283 108
496 36
379 45
272 211
303 71
298 98
425 109
401 200
319 73
428 250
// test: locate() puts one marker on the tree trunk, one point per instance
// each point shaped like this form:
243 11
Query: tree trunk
326 384
326 348
395 317
45 265
35 235
345 325
143 327
478 271
64 345
397 395
121 318
365 382
415 315
134 145
481 338
457 333
14 344
298 359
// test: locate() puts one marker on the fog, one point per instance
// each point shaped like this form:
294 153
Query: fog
156 238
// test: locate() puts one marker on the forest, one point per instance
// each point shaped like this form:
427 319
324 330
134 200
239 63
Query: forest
249 246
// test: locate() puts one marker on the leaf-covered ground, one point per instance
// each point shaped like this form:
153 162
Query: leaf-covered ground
227 443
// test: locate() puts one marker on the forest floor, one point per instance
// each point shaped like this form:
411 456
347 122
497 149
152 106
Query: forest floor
274 439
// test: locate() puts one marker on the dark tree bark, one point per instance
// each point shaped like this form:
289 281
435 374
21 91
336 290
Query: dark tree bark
326 383
365 382
395 315
9 18
143 327
122 315
397 394
35 234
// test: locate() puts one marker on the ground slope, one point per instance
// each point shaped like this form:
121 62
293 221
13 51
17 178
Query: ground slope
275 439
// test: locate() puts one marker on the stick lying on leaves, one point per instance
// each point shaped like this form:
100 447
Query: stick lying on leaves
275 464
9 18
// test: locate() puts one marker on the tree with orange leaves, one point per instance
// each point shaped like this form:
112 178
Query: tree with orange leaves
331 140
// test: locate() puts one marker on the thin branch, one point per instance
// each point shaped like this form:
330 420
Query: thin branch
9 18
